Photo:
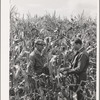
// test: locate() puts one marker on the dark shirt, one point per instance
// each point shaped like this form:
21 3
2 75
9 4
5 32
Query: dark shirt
80 64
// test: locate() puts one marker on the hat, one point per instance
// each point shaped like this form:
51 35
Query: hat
39 41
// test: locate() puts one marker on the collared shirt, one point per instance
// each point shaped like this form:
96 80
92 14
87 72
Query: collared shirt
36 62
76 54
80 64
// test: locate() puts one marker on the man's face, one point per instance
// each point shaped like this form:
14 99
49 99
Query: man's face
40 47
76 46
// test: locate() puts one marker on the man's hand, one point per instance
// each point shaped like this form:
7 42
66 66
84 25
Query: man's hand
70 70
65 72
62 69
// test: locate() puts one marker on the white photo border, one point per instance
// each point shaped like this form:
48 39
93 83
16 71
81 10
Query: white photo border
5 32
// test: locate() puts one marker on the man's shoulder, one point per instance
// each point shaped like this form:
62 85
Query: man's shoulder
84 53
32 54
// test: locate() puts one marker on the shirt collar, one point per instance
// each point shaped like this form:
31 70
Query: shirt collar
37 52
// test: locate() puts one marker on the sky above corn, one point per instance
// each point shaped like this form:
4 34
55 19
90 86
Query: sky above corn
63 8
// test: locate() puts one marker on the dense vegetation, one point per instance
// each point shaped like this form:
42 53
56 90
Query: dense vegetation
61 33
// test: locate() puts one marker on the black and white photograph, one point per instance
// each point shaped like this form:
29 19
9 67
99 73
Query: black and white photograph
53 50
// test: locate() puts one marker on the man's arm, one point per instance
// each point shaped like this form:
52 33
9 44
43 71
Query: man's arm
81 65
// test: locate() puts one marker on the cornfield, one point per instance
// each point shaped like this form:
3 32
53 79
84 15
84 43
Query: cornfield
61 33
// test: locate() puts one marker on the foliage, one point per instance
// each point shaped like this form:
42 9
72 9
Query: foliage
62 32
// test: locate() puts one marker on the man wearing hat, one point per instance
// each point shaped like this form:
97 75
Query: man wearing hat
37 59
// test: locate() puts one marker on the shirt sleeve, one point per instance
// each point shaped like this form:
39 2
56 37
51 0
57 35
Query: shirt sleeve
81 65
